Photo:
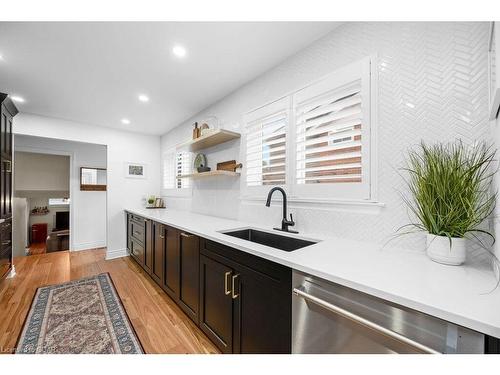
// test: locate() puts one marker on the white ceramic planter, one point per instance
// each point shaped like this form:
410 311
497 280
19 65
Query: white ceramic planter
439 250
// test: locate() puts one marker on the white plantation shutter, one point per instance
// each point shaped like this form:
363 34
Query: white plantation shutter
332 125
183 166
176 164
266 145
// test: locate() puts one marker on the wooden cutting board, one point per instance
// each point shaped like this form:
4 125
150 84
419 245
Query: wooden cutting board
229 165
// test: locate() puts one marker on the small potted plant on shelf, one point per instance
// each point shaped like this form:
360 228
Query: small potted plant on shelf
451 188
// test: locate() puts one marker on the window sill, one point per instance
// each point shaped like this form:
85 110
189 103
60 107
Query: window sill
343 205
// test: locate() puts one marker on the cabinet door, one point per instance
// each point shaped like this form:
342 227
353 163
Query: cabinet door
158 259
148 245
5 247
172 262
216 303
189 293
3 129
263 315
129 235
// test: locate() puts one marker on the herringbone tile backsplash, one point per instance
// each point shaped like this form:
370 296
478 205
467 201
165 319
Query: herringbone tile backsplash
433 86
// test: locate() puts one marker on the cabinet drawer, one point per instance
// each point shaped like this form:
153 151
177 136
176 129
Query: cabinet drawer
138 230
139 219
266 267
137 250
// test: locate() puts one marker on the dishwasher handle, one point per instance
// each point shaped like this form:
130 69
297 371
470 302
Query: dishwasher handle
360 320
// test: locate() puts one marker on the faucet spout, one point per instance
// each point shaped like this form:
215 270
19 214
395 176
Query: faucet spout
285 223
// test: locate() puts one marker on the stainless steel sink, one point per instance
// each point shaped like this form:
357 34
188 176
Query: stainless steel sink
274 240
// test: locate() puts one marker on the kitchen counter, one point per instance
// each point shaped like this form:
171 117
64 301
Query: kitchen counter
463 295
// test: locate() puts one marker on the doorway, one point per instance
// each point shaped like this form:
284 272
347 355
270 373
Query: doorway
51 209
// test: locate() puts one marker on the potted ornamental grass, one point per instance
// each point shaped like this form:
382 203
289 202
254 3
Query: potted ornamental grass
451 196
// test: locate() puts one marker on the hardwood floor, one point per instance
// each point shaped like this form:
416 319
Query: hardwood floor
161 326
37 248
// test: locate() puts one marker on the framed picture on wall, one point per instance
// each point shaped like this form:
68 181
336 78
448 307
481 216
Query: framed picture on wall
494 69
135 170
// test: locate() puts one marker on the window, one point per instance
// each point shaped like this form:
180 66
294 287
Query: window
176 164
316 141
266 145
59 201
332 126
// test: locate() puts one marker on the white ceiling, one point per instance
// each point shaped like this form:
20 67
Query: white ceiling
93 72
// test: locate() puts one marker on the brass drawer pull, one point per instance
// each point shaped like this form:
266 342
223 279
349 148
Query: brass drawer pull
226 283
187 235
234 295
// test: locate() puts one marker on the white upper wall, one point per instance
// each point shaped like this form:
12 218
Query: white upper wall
122 147
41 172
432 86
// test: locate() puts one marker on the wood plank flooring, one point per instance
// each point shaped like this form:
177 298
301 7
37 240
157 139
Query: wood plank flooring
161 326
37 248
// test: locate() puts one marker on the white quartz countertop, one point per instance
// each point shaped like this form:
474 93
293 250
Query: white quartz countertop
464 295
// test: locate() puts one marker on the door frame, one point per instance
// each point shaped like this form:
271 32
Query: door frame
47 151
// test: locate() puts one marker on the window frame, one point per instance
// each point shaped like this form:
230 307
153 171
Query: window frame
281 105
334 194
175 191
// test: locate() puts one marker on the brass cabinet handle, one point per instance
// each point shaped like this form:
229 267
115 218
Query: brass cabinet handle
233 294
226 283
187 235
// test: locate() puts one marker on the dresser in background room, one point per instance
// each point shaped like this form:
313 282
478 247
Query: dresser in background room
8 111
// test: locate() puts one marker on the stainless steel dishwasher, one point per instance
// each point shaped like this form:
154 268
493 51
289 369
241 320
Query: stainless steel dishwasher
330 318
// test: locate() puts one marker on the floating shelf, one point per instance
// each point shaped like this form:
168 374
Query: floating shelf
210 174
217 137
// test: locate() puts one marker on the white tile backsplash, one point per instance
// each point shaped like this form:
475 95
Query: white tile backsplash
433 86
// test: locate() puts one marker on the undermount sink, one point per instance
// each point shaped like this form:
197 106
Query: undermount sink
274 240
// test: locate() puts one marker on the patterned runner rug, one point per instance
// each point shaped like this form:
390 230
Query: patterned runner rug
81 316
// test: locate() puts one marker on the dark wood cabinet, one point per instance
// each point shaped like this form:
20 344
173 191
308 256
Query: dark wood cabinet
148 245
7 113
172 262
139 240
260 292
242 302
189 286
263 318
216 303
158 254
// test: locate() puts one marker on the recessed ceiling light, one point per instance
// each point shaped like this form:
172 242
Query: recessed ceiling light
125 121
143 98
179 51
17 99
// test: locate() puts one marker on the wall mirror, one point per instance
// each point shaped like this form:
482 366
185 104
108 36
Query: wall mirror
93 179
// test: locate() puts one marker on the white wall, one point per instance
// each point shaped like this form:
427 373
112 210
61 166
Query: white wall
432 85
88 229
41 172
121 147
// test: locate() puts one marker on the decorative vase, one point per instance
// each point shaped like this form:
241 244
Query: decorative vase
439 249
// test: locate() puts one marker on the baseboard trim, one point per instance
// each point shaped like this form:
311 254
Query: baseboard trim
12 272
88 245
117 253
